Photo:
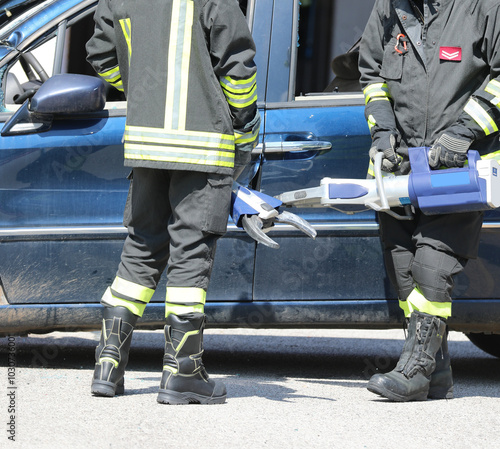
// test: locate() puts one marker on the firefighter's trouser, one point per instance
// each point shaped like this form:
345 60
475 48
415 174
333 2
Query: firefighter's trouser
423 255
174 219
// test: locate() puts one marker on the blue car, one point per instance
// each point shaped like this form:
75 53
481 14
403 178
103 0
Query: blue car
63 184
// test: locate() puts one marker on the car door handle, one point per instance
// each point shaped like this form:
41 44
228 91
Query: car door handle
292 146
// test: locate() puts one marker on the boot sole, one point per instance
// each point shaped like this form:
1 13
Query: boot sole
176 398
381 391
434 393
107 389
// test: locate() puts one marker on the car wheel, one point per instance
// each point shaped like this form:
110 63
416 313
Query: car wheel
489 343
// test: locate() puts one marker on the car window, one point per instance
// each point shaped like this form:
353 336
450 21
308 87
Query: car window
327 56
28 73
24 74
45 54
30 69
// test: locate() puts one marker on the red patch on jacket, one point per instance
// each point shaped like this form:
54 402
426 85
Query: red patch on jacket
450 53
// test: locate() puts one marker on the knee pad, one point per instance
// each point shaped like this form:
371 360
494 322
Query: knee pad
398 264
433 272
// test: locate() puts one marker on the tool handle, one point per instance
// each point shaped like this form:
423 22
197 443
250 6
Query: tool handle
377 168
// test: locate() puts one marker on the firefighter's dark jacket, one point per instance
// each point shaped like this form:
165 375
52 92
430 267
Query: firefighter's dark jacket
187 70
423 77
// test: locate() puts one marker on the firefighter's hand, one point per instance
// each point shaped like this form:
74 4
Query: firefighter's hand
449 152
388 147
404 166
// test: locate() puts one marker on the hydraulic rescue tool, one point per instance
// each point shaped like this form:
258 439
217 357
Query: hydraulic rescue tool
474 187
256 213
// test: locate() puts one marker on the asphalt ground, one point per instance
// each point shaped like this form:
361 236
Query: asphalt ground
286 389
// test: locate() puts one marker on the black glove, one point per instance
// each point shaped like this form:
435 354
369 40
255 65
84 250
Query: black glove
388 146
449 151
404 166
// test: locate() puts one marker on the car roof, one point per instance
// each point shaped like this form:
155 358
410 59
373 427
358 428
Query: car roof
26 17
11 9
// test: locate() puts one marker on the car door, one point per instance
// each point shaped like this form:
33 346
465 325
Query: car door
63 190
337 137
339 277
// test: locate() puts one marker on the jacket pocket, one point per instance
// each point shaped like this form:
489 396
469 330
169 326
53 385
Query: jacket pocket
392 62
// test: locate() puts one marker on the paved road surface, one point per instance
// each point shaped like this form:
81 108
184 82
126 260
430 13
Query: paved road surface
286 389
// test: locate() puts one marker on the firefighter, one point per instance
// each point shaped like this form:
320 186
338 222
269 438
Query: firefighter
430 73
186 68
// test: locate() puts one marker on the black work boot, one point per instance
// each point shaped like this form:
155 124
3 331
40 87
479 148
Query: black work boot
111 354
410 380
184 379
441 386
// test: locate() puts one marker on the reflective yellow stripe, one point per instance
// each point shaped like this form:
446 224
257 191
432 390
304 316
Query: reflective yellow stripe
185 133
185 337
239 93
493 88
143 156
248 137
236 86
111 74
173 143
235 93
417 302
495 155
379 99
376 91
181 344
179 146
242 101
182 300
110 360
170 368
140 296
180 309
481 117
118 85
178 155
183 295
239 104
371 169
113 77
179 137
371 121
126 28
110 300
132 290
406 308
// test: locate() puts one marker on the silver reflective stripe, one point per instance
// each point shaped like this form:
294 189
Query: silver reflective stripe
481 117
179 54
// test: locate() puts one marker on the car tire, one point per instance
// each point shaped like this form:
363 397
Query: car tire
489 343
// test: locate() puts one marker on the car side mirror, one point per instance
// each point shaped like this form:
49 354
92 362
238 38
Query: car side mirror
64 94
